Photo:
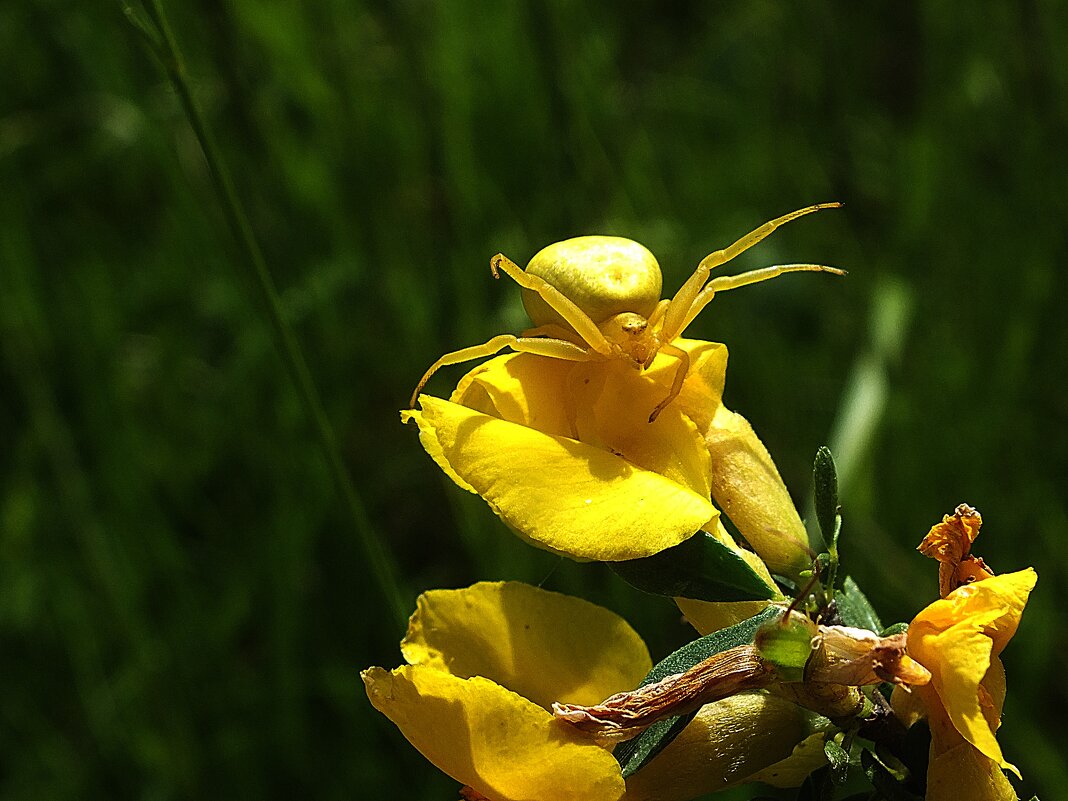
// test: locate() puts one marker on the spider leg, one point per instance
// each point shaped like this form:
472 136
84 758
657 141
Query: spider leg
658 313
560 303
676 383
684 298
725 282
551 330
554 348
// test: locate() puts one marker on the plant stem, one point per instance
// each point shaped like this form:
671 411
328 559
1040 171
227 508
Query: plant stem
382 565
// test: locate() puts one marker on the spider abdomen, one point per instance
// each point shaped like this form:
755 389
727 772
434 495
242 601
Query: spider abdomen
602 275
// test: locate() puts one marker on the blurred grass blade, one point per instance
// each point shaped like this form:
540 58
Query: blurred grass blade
864 401
381 562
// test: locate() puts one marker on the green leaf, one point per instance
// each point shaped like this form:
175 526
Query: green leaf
635 754
896 628
883 780
854 609
702 568
825 483
839 759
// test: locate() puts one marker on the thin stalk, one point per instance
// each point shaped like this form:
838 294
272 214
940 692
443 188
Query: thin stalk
382 565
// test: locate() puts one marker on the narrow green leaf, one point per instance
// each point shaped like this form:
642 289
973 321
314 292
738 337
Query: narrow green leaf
693 653
839 759
883 780
855 609
635 754
896 628
702 568
825 482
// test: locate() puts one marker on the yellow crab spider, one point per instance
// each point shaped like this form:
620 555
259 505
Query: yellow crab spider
598 298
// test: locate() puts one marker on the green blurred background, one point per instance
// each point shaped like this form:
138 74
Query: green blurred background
184 606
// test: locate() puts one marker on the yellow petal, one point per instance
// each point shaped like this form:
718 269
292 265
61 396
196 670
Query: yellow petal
726 744
543 645
962 772
996 604
992 693
956 769
562 495
502 745
908 705
702 392
747 487
958 659
613 402
521 388
605 404
708 616
807 756
958 639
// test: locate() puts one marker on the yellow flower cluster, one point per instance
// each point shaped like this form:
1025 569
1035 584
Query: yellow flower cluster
485 665
604 437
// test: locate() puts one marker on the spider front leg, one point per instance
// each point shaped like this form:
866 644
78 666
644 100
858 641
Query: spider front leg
552 331
681 372
585 327
553 348
675 319
725 282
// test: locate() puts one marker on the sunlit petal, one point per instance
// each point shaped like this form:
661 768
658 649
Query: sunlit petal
726 744
502 745
521 388
958 639
996 603
563 495
543 645
613 402
958 659
747 488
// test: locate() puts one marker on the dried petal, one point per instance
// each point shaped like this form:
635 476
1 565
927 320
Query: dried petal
949 542
625 715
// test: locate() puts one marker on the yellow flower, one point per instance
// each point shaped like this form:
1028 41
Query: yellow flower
565 454
485 665
958 639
